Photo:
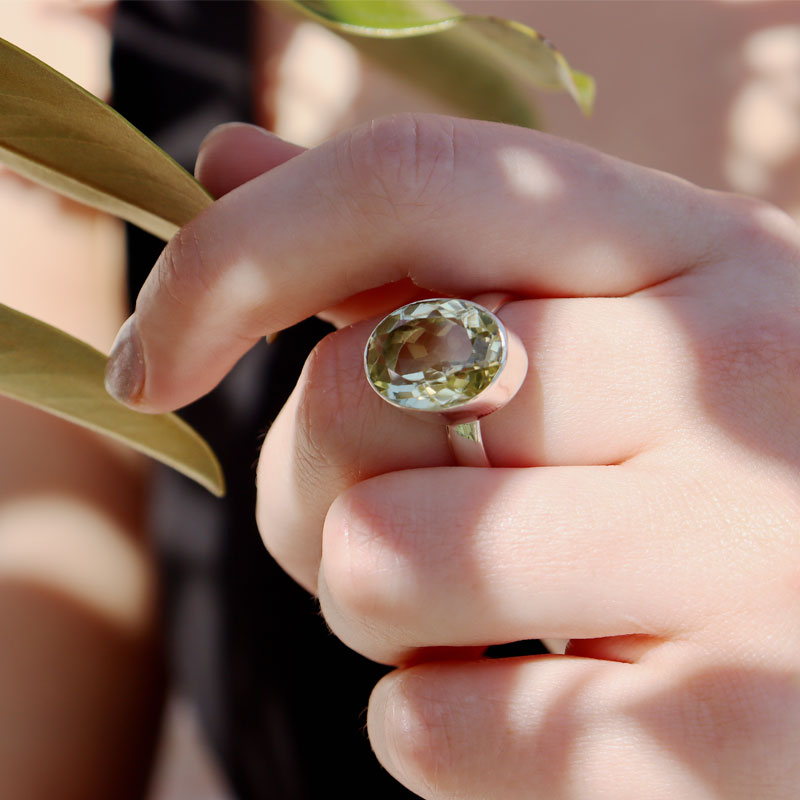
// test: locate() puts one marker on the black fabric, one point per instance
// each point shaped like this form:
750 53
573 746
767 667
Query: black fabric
281 699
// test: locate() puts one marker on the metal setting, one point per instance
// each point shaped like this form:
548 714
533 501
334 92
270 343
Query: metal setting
449 361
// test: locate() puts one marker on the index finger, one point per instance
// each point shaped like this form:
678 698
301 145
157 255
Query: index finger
458 206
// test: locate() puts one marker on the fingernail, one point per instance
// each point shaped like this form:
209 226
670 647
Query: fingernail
224 127
125 368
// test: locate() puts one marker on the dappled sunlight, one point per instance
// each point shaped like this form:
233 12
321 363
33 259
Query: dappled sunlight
529 174
69 36
90 270
764 119
63 544
318 79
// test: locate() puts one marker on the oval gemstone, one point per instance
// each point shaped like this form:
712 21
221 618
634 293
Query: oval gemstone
435 354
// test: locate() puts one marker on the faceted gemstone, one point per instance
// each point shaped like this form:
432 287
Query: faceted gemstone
435 354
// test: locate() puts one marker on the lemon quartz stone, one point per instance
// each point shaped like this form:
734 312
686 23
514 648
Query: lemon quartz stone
435 354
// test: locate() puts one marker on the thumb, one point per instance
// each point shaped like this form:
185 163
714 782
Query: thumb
235 152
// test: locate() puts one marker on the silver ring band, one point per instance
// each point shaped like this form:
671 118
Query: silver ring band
466 444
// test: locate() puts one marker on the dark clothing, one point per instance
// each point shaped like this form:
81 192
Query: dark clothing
281 699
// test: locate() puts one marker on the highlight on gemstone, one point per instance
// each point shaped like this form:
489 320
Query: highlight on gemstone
435 354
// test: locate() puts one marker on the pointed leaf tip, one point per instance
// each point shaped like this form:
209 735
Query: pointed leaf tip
47 368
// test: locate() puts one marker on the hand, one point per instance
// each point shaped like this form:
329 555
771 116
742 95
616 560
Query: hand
645 501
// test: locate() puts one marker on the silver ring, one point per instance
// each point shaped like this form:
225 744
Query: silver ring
449 361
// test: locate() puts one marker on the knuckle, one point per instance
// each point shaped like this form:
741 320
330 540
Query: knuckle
751 373
759 213
400 162
364 569
749 353
180 271
320 412
168 276
334 396
755 226
330 416
595 174
354 565
420 733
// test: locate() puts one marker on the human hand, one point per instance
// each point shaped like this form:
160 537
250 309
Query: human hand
644 502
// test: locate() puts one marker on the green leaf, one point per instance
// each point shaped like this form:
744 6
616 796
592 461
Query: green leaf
480 64
44 367
56 133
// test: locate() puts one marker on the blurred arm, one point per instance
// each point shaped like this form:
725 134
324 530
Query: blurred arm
80 676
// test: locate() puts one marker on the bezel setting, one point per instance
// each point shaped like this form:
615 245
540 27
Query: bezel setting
445 359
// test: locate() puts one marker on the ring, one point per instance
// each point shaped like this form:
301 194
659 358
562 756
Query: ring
450 361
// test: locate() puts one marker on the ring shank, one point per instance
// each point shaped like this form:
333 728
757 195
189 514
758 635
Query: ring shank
467 445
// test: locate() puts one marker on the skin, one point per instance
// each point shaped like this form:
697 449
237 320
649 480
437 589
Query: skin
80 653
643 502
